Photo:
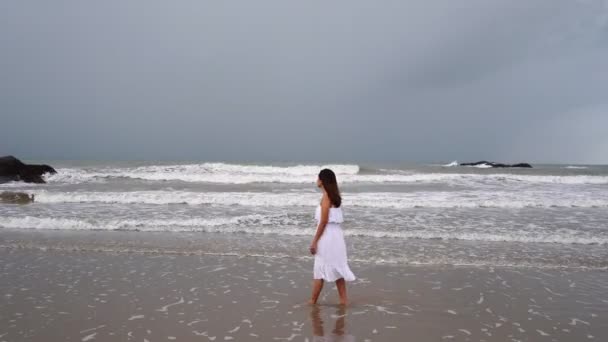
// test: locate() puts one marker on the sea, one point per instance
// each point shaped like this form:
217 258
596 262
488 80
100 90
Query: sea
550 216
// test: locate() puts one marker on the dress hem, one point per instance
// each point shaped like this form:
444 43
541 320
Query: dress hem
332 273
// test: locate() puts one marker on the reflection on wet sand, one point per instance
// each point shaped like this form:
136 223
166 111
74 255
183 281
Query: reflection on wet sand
338 333
56 295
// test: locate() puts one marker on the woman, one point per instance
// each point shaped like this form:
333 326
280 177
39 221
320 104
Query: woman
328 245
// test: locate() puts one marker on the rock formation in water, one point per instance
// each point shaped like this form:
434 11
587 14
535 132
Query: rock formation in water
16 197
492 164
12 169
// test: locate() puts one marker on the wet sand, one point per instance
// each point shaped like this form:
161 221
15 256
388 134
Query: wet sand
57 295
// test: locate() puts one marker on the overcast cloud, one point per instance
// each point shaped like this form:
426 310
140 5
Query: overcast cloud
419 80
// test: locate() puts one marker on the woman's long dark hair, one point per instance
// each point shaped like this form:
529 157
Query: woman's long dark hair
330 184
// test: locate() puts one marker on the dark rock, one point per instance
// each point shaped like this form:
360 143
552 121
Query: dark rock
497 165
16 197
12 169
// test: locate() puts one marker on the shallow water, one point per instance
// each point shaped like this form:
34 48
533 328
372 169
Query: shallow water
549 216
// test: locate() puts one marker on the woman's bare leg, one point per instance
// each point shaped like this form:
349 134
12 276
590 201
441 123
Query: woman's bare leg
317 286
341 285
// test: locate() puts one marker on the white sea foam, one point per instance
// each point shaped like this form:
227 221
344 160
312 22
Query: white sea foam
76 176
481 166
394 200
575 167
181 197
220 173
204 173
190 224
282 225
563 237
454 163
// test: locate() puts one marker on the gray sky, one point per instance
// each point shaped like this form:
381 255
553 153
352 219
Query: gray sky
419 80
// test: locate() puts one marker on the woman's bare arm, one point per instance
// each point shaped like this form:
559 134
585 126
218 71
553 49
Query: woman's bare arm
325 205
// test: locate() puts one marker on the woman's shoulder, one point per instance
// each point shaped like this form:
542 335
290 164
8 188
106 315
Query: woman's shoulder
325 201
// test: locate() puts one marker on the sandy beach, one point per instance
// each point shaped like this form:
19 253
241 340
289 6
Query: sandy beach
57 294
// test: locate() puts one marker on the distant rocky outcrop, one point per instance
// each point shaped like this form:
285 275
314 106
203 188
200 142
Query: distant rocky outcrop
16 197
12 169
492 164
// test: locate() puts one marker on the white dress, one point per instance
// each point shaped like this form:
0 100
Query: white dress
331 263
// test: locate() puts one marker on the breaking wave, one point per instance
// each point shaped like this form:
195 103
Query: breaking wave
283 225
393 200
221 173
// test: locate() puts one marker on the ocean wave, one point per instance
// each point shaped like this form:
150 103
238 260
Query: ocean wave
570 237
20 185
204 173
76 176
391 200
266 199
412 260
233 174
283 225
452 164
575 167
179 225
481 166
